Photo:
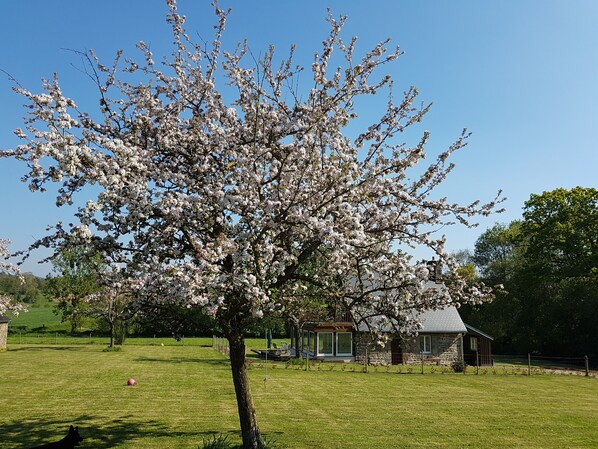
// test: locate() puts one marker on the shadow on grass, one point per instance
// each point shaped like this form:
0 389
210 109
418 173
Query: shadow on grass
212 362
80 348
100 434
95 433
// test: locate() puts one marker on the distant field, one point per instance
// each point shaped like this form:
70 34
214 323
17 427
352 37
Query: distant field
185 393
38 318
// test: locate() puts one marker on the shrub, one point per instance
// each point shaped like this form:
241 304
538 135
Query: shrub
112 349
458 366
295 361
218 442
221 441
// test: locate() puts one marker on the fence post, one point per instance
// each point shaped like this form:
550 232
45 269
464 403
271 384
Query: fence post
529 364
365 360
422 363
587 365
477 362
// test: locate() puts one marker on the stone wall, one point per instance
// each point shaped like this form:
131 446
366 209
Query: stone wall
446 349
364 345
3 335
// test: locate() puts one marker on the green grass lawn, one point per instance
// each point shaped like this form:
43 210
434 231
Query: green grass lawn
39 318
185 394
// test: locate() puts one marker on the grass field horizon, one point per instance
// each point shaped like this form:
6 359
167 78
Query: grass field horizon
185 394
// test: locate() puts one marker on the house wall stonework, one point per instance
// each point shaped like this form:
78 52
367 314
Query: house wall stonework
376 355
3 335
446 349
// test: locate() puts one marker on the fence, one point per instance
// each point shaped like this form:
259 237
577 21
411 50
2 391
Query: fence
536 364
220 344
58 338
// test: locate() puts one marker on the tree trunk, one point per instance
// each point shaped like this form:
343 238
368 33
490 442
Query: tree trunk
249 429
111 334
298 341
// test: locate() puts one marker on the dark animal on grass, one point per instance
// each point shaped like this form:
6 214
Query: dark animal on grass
71 440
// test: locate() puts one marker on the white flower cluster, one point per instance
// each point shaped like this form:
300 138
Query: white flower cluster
8 304
223 204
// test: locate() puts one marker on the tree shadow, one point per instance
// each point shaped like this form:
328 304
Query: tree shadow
80 348
176 360
95 432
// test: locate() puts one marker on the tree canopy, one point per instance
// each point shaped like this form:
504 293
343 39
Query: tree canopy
210 179
548 262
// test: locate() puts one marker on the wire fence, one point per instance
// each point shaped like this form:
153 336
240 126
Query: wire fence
498 369
221 345
526 365
506 364
537 364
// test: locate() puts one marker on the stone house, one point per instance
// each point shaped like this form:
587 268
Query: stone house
440 342
443 340
3 331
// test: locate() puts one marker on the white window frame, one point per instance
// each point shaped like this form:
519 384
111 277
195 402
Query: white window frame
473 343
427 344
331 343
336 338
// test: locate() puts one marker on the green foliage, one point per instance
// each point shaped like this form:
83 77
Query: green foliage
458 366
548 263
75 277
275 324
174 320
219 441
26 288
112 349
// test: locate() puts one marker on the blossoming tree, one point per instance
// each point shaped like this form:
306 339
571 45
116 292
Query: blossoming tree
222 204
6 302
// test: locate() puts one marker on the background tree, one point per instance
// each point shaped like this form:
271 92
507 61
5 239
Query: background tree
219 205
548 263
7 301
497 258
114 303
76 273
561 254
25 288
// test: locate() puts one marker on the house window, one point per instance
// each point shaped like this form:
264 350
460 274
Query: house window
473 343
344 343
312 342
425 344
325 343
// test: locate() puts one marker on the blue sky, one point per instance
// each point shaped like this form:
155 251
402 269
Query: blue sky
522 75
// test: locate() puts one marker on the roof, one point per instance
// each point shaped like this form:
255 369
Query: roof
474 331
439 321
434 321
442 321
4 319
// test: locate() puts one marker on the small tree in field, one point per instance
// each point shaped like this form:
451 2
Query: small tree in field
8 304
115 304
225 205
75 278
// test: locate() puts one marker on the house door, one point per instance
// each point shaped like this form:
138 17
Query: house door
396 352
